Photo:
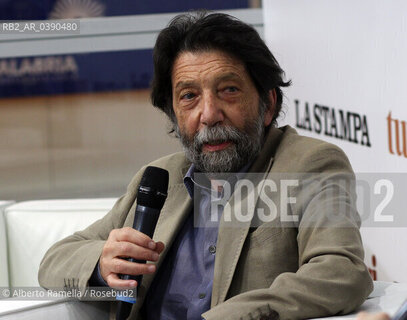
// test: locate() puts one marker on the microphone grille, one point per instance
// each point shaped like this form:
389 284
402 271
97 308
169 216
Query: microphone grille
153 187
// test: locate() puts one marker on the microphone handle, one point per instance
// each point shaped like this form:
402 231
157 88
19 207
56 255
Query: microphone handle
145 221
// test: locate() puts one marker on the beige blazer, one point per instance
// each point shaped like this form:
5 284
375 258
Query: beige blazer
300 270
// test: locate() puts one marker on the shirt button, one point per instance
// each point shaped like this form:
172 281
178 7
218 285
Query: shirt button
212 249
202 295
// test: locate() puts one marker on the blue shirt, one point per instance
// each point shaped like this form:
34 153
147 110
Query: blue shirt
182 288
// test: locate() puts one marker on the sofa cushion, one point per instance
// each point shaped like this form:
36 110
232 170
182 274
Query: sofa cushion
33 226
3 246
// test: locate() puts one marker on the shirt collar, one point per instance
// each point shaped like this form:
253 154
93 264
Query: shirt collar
189 181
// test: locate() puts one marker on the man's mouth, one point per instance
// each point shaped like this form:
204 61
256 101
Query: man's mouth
216 146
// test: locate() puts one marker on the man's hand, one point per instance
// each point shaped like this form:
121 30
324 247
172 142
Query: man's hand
372 316
127 243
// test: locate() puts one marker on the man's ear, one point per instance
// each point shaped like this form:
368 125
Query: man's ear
271 107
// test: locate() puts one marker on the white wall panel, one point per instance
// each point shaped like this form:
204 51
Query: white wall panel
348 57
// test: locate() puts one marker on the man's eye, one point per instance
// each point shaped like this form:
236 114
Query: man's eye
188 96
231 89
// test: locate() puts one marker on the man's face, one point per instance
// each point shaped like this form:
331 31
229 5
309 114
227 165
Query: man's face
217 108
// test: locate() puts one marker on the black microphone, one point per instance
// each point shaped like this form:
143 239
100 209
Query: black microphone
151 195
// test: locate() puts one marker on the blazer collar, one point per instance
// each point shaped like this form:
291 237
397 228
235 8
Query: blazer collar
170 221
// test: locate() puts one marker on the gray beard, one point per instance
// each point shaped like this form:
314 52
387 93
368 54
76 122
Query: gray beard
245 147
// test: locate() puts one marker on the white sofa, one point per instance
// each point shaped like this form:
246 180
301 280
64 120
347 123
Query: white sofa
33 226
4 276
56 309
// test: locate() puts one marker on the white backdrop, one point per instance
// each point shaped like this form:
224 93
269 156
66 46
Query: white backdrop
348 64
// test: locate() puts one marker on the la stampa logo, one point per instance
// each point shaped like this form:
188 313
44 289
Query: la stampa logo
76 9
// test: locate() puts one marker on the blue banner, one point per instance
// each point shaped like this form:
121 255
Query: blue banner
93 72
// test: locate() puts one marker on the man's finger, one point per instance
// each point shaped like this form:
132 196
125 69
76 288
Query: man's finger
121 266
127 249
372 316
115 282
159 247
128 234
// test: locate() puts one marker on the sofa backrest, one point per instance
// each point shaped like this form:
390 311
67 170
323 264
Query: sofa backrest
34 226
3 246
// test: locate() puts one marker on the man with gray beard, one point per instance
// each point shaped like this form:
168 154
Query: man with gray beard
246 146
220 86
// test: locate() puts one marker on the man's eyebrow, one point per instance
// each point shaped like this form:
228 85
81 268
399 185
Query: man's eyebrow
222 77
183 84
229 76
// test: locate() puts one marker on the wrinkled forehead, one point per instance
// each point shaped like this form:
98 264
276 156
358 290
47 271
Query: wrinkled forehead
204 65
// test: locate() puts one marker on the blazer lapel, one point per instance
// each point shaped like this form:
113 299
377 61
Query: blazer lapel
232 232
173 214
172 217
176 208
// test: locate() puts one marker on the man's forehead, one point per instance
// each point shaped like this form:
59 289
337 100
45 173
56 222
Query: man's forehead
190 65
228 76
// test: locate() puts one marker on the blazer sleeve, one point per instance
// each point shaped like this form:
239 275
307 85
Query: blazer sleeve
331 277
71 261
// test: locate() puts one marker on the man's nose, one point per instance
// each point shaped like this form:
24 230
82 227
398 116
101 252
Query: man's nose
212 113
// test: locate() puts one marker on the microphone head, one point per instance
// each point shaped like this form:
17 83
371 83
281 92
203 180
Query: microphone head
153 188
